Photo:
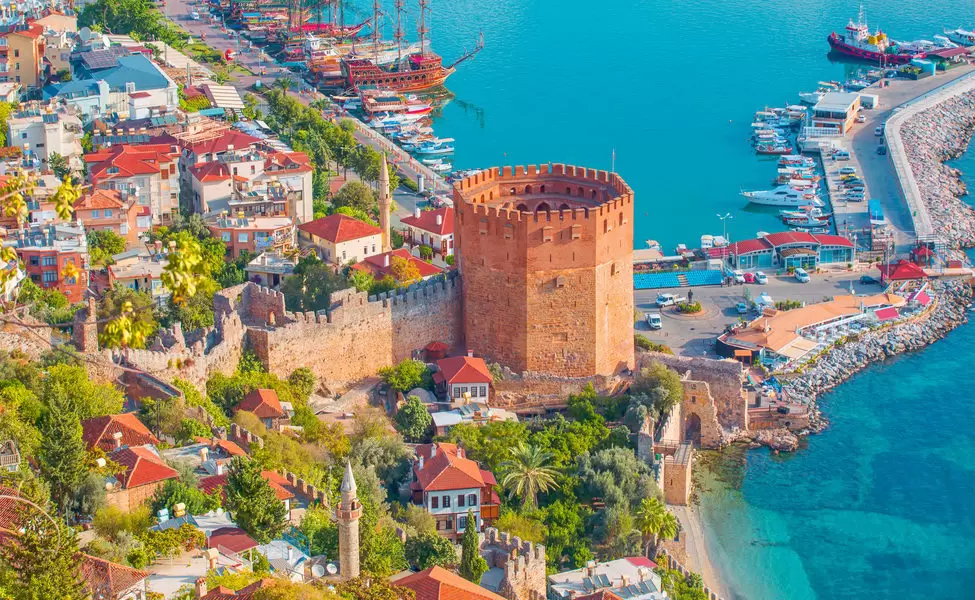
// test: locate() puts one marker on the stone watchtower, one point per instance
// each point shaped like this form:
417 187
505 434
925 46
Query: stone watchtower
385 202
546 260
347 515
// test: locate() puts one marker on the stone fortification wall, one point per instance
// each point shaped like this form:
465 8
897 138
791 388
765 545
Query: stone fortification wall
546 254
523 563
724 379
33 340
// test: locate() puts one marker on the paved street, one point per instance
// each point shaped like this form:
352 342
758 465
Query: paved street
695 335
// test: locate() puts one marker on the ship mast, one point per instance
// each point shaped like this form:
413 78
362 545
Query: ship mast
421 28
398 34
861 18
376 11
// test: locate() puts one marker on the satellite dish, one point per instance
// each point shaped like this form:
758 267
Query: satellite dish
318 571
332 569
84 34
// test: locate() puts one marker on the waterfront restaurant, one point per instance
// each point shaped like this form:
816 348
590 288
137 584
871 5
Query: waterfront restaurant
788 249
836 110
779 337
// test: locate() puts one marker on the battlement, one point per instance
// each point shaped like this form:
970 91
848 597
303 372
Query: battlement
556 171
523 563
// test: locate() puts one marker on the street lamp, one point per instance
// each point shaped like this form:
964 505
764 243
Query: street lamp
724 224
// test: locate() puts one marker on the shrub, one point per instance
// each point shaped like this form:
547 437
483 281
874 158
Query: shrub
426 252
449 259
689 308
644 344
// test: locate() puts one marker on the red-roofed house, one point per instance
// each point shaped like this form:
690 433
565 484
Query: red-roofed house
437 583
340 239
231 540
902 270
274 479
112 432
111 581
224 593
447 485
434 228
144 472
607 580
459 375
380 265
265 406
105 210
788 249
146 172
254 234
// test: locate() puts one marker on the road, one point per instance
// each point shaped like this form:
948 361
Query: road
695 335
265 70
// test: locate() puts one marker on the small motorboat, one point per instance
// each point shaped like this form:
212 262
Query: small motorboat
769 149
442 167
812 97
431 161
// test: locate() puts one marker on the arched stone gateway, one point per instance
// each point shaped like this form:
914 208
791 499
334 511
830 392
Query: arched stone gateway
700 415
692 429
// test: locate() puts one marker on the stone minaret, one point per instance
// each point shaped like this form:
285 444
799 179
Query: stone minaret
385 204
347 515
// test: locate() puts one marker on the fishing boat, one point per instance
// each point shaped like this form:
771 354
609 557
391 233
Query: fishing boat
435 146
809 211
961 36
790 160
943 42
858 42
772 149
810 230
442 167
431 161
856 84
783 196
812 97
807 222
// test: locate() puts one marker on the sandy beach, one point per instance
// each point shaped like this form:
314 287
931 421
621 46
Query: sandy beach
695 545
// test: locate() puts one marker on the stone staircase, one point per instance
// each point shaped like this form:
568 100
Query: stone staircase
683 280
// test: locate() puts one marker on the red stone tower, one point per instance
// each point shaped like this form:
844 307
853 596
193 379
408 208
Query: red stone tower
546 262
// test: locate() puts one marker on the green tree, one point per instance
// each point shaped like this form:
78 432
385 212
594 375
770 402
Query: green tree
6 109
367 587
302 382
404 376
654 522
404 271
42 564
86 398
175 492
527 473
659 387
356 195
361 280
290 590
136 308
62 455
426 252
252 502
59 164
428 549
413 420
472 564
312 288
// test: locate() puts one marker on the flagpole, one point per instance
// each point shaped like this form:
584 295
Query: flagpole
612 168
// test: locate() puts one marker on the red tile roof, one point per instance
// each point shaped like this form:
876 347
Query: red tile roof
427 221
886 314
102 575
641 561
244 593
219 482
790 237
217 145
464 369
12 512
293 162
142 159
437 583
832 240
901 271
230 448
100 431
746 246
376 266
339 228
98 199
263 403
231 538
142 467
445 470
600 595
210 171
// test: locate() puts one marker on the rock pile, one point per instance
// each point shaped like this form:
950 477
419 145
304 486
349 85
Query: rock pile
842 361
930 138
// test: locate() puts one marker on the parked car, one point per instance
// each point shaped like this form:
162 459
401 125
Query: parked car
742 308
861 118
867 280
739 276
848 171
761 278
802 276
668 299
841 155
749 278
653 321
879 131
882 150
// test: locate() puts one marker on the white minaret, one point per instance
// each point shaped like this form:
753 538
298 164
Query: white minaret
385 204
347 516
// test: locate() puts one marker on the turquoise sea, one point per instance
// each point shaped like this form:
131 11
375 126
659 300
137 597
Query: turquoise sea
880 505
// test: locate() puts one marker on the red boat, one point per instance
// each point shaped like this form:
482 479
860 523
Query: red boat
876 47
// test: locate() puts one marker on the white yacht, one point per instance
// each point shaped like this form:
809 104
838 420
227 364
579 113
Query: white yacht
785 196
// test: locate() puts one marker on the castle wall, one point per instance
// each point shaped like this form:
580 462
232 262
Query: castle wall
547 292
522 561
724 379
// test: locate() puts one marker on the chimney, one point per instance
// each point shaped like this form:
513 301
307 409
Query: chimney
117 436
290 553
219 468
416 212
433 450
624 581
203 453
460 452
470 353
439 219
386 259
419 463
201 587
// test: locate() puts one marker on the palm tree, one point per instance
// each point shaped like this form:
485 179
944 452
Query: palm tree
285 83
655 522
528 473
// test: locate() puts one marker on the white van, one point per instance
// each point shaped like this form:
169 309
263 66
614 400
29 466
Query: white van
653 321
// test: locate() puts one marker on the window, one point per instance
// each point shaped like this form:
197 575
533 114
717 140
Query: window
253 171
242 238
446 501
461 523
435 502
23 135
463 390
49 261
225 236
365 250
34 261
108 213
460 501
449 524
95 214
374 248
484 391
17 55
472 499
50 276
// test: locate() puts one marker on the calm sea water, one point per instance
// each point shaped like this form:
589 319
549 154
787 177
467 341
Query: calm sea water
877 507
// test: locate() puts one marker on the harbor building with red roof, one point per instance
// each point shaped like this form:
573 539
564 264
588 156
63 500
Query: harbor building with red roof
433 228
788 249
447 485
339 239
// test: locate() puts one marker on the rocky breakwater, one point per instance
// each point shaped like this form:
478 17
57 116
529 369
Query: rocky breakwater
843 360
930 138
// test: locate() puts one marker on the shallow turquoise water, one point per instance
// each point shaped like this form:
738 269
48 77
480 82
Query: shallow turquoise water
877 507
